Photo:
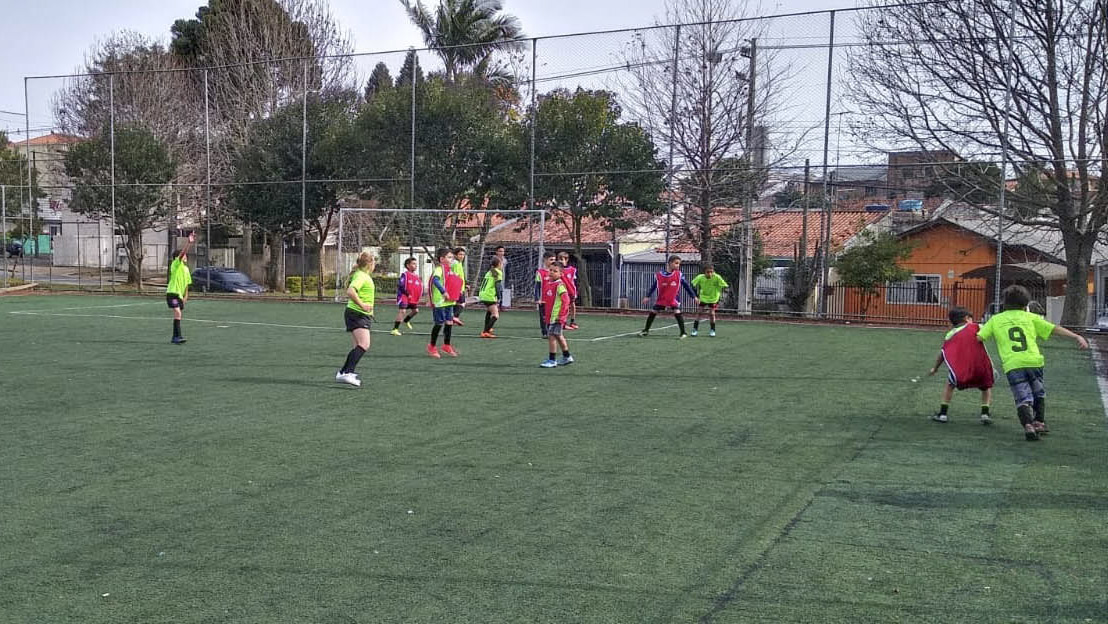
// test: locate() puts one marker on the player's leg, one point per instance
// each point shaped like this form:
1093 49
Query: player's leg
1020 385
680 321
399 319
177 305
712 319
542 319
944 406
986 402
492 313
696 321
457 312
358 325
650 320
1038 403
447 328
567 358
439 319
413 309
572 313
552 343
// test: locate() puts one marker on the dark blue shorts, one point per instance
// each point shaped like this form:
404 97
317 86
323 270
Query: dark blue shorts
1027 385
442 316
175 301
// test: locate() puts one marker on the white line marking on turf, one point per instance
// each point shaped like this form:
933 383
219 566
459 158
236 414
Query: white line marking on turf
634 333
118 305
225 323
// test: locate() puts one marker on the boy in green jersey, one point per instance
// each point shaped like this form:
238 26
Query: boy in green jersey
177 290
709 285
492 289
1016 332
458 268
444 288
358 316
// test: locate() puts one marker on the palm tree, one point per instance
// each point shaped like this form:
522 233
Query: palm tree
465 33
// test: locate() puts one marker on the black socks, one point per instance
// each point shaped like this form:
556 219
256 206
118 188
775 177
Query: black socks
352 360
650 321
176 328
446 335
680 322
435 334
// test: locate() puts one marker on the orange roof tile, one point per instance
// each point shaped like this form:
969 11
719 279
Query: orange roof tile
49 139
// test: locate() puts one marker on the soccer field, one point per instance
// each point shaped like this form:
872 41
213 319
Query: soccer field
775 473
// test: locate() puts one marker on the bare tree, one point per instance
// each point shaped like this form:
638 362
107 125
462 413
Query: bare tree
983 77
703 107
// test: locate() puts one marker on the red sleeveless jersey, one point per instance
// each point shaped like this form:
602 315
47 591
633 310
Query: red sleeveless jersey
569 278
969 363
453 286
413 288
555 300
668 288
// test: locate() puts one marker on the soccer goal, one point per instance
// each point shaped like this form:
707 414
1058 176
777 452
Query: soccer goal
392 236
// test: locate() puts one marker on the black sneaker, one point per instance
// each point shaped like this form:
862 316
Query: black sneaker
178 340
1030 433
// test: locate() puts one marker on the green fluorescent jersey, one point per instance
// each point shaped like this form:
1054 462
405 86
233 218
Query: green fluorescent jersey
439 299
362 283
179 278
489 288
1016 333
709 290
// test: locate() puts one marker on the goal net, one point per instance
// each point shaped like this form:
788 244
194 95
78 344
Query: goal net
393 236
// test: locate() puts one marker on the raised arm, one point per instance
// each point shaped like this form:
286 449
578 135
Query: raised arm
1062 331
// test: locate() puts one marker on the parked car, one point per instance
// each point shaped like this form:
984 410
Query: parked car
223 279
1101 324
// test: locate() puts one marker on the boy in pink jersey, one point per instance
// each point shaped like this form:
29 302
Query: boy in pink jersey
569 277
968 363
409 289
542 276
668 284
555 305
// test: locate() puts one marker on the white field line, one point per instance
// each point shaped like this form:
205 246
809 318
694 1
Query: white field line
279 325
634 333
118 305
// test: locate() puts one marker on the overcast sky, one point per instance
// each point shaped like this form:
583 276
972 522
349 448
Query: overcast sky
47 37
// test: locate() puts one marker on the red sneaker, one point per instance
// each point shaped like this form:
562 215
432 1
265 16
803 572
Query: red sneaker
487 335
571 326
449 350
433 352
1040 427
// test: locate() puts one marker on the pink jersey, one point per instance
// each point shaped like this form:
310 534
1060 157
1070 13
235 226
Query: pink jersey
555 302
569 278
411 289
969 363
669 286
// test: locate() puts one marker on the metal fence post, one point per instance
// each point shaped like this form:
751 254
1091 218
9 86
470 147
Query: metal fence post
111 133
672 132
534 125
826 255
1003 199
4 229
748 204
30 174
208 177
304 181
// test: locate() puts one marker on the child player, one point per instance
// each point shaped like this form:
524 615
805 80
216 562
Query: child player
708 285
1016 332
444 289
569 278
968 363
177 291
542 276
459 268
492 289
668 284
555 302
358 316
409 289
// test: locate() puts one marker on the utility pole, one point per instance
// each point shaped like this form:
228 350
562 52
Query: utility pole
752 184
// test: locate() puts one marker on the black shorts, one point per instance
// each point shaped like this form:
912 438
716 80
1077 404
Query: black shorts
660 308
408 306
175 301
356 320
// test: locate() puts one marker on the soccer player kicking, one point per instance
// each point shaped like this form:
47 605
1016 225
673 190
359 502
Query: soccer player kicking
492 290
177 290
968 363
555 300
668 284
445 287
408 291
358 316
709 285
1017 332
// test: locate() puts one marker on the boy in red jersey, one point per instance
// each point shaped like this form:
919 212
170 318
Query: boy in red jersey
409 289
569 278
542 276
444 288
968 363
555 304
668 283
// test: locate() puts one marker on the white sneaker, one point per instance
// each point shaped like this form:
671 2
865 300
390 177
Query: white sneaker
712 334
348 378
693 333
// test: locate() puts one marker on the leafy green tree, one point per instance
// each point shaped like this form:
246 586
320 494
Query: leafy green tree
872 263
727 255
465 33
273 156
410 68
379 80
13 174
594 166
143 166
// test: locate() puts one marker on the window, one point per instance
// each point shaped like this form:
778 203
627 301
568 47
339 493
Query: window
920 290
55 230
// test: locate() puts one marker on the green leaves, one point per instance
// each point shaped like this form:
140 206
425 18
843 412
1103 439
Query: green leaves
873 262
142 167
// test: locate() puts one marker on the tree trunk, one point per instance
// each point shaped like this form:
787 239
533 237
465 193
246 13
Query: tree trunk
1079 252
319 274
273 255
246 256
134 258
584 289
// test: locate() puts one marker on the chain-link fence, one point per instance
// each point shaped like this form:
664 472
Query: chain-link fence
748 143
